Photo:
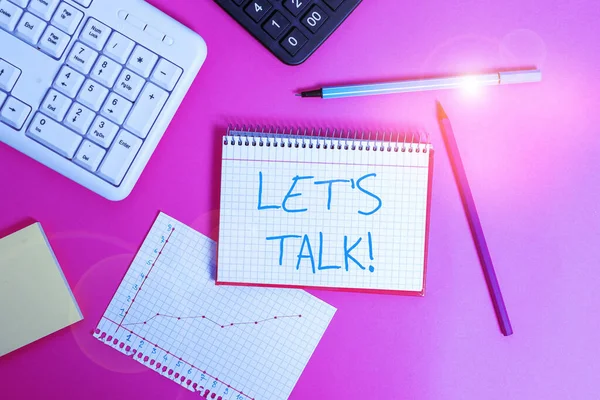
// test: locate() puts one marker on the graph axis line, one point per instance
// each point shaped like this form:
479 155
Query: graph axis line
230 324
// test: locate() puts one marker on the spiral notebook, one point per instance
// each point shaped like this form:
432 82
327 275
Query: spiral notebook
318 209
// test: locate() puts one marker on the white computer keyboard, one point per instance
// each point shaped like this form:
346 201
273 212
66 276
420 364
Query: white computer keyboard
88 87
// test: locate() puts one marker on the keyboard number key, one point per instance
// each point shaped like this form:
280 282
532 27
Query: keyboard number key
82 58
129 85
54 42
102 131
68 81
79 118
276 25
257 9
67 18
119 47
92 94
54 135
166 74
105 71
89 156
296 6
55 105
116 108
14 113
119 157
294 41
314 19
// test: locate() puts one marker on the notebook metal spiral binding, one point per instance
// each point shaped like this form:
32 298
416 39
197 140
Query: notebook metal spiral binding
339 139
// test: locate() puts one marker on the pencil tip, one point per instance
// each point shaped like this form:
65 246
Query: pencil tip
297 94
441 114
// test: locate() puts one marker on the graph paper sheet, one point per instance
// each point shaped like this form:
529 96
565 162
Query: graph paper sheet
323 217
228 343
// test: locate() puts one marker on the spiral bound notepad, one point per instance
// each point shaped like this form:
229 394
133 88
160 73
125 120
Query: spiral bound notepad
313 209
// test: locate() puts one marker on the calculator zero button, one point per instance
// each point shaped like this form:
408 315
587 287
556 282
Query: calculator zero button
54 135
314 19
294 41
95 34
257 9
296 6
276 25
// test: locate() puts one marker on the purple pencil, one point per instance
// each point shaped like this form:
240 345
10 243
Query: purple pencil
473 218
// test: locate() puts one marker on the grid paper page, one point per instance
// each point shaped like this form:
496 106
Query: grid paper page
323 217
228 343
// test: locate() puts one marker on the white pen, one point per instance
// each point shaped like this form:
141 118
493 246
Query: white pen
419 85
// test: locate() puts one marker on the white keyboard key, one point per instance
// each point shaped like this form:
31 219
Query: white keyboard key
43 8
14 113
95 34
89 155
142 61
8 76
21 3
54 135
67 18
105 71
92 94
166 74
129 85
146 110
54 42
30 28
55 105
79 118
116 108
119 47
3 97
119 158
68 81
9 15
82 58
102 131
85 3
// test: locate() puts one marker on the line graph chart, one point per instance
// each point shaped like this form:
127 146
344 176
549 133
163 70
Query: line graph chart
228 343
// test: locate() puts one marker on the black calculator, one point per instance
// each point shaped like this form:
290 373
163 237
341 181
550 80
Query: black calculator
290 29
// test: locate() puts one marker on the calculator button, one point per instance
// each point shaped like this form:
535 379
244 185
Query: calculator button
43 8
54 42
55 105
92 94
14 113
95 34
276 25
296 6
68 81
119 158
79 118
129 85
89 156
67 18
82 58
8 76
119 47
105 71
54 135
142 61
333 4
102 131
314 19
30 28
294 41
238 2
257 9
166 74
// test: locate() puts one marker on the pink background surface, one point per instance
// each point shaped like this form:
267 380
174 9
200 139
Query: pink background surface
531 153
